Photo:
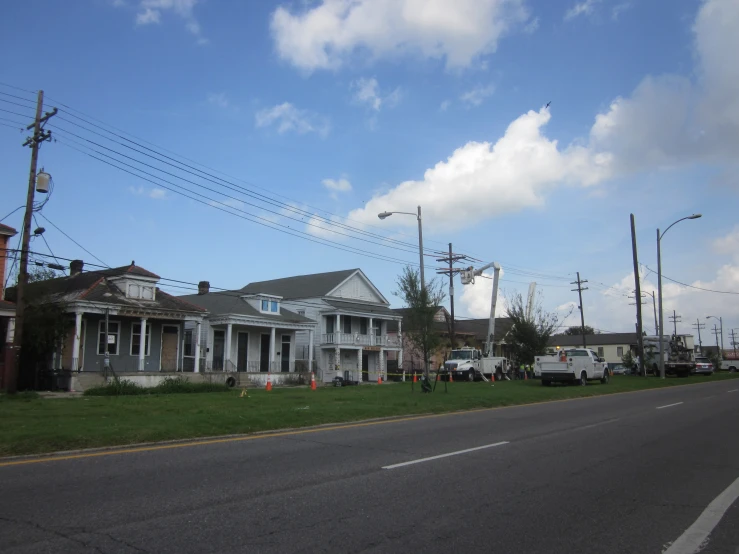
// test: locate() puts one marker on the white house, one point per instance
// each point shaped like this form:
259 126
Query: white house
351 321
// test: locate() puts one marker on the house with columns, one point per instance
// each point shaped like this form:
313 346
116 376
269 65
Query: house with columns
7 309
351 319
245 333
118 315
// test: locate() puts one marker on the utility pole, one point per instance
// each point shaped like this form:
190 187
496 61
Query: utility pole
39 136
637 292
654 305
640 337
733 341
579 290
675 320
451 272
715 332
698 325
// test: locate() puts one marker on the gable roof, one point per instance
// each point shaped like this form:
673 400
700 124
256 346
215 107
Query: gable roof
7 230
301 286
94 286
362 307
477 328
601 339
230 302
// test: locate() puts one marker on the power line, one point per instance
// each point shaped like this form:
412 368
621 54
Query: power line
691 286
44 238
74 241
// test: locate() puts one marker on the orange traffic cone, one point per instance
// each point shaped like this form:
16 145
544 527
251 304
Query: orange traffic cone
492 377
312 381
269 382
451 378
379 379
415 380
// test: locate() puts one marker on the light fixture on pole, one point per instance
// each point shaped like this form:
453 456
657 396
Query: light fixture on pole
659 289
385 215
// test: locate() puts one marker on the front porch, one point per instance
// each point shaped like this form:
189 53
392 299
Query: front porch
353 363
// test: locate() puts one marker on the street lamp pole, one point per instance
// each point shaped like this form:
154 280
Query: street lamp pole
384 215
659 289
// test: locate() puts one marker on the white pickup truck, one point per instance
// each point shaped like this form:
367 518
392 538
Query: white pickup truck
577 365
469 364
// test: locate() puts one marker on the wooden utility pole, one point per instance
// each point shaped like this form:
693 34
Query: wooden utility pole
675 320
698 325
39 136
579 290
637 292
451 272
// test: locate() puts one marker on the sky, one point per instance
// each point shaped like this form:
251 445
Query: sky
527 131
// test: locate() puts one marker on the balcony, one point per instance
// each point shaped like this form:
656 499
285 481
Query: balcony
356 339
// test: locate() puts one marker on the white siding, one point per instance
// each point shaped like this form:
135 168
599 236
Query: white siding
311 308
356 288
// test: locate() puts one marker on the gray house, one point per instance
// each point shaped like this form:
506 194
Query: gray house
248 333
145 326
351 321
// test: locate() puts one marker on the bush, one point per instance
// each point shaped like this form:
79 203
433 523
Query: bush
170 385
27 396
117 387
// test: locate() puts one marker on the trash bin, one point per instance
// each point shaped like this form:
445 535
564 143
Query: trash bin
63 379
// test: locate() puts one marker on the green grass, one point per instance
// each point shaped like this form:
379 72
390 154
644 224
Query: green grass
169 385
30 425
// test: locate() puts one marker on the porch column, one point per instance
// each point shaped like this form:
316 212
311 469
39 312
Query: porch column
359 365
400 352
227 357
310 350
337 359
142 347
271 349
196 369
76 341
382 364
10 335
371 333
337 333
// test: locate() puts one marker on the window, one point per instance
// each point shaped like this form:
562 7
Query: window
136 339
265 305
346 323
114 334
189 349
600 351
619 351
301 312
273 306
363 326
145 292
378 328
329 324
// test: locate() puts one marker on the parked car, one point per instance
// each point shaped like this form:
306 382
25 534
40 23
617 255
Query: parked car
620 370
703 366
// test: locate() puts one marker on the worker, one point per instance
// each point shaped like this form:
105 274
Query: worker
521 371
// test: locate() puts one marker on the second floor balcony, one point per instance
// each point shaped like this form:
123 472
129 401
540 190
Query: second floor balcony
358 339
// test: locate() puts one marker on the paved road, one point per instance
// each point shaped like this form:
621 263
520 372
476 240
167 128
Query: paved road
604 475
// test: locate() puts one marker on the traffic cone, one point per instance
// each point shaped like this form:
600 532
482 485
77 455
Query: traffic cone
312 381
525 375
451 378
269 382
492 377
379 379
415 380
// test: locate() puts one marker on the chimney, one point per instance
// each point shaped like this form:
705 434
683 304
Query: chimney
203 287
75 267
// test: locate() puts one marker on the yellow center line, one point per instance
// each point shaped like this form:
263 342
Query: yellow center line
295 432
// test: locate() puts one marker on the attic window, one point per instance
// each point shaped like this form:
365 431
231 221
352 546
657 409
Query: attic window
144 292
270 307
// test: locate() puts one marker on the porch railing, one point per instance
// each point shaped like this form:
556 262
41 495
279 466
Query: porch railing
357 339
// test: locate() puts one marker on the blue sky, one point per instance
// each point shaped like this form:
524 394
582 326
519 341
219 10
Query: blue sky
344 109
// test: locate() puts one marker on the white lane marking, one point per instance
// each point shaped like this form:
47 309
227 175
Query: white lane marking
732 390
669 405
458 452
692 539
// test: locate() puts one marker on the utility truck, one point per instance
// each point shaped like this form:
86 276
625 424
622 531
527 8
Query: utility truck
576 365
470 364
679 359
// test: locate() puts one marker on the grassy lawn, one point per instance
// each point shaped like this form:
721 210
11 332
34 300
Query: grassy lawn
30 426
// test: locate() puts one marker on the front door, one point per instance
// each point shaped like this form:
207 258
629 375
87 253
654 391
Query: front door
219 349
170 349
365 366
264 354
242 353
285 354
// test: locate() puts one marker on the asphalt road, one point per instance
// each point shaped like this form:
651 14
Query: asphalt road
612 474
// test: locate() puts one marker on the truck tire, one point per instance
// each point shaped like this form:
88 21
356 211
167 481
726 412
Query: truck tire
732 369
546 382
583 379
471 375
604 379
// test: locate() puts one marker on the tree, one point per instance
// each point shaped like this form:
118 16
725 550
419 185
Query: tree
577 331
419 330
629 360
528 337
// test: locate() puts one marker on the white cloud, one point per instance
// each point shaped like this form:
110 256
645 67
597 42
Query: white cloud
367 92
476 298
582 8
327 35
670 120
289 118
155 193
618 9
338 185
477 95
485 179
219 99
728 245
531 27
445 105
150 12
323 228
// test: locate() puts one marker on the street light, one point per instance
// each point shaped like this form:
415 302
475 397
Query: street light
721 324
659 288
385 215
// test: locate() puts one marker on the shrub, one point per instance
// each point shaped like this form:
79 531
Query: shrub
117 387
169 385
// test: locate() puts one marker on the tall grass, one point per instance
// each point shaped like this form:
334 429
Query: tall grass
169 385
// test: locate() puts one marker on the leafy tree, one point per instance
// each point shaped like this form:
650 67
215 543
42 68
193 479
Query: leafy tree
577 331
419 329
629 360
528 337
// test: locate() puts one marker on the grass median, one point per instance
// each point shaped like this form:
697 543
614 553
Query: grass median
32 425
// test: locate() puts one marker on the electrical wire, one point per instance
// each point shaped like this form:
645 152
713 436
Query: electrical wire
692 286
11 213
74 241
45 242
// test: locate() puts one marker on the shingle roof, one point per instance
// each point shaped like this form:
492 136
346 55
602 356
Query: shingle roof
477 328
93 286
7 230
230 302
301 286
601 339
364 307
7 306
